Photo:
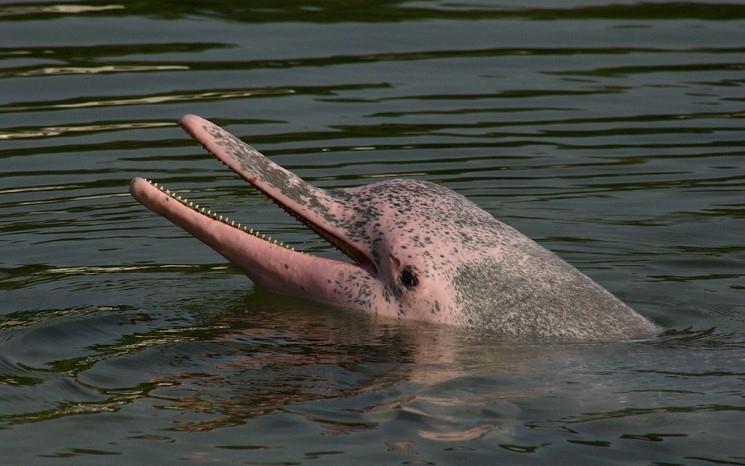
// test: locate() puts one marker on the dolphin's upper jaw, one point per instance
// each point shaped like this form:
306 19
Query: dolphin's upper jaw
268 262
311 206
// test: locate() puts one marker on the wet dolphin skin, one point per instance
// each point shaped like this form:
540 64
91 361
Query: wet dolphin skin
417 251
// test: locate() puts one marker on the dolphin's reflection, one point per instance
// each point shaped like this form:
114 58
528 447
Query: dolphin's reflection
282 355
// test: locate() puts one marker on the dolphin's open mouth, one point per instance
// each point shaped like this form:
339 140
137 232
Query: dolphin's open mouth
313 207
223 219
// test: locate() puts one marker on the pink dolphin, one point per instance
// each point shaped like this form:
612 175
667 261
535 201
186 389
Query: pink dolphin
418 251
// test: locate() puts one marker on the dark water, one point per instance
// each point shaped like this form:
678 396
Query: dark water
612 133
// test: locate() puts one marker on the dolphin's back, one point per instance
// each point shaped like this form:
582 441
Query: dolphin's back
528 290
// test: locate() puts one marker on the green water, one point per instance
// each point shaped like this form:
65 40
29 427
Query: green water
612 133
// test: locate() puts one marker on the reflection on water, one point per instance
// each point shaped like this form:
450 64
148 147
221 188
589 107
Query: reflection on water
611 133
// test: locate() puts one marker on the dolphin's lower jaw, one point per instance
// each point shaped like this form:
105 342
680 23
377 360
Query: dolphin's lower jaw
418 251
269 263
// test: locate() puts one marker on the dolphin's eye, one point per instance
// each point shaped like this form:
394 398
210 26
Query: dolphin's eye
409 278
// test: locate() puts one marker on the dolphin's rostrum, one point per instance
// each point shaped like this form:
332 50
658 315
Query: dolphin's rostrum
419 251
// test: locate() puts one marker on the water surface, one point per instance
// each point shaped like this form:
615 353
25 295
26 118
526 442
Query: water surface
612 133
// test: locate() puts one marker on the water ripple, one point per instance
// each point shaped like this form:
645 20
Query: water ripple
611 133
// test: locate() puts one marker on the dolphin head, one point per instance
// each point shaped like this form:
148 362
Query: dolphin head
417 250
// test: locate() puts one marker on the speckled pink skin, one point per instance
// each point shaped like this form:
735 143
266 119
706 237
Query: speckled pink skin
420 252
